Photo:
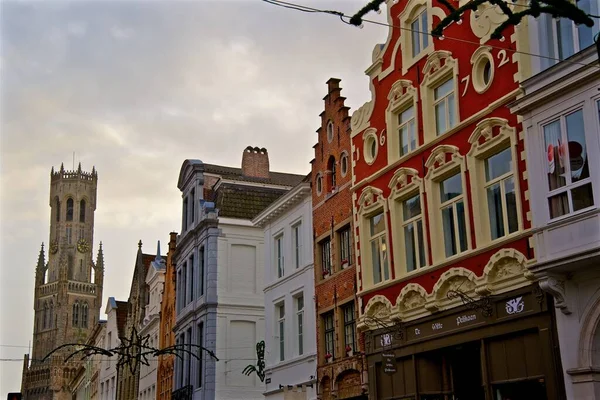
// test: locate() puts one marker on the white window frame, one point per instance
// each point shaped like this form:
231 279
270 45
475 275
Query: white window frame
281 331
402 96
412 11
297 244
420 31
278 254
443 162
379 240
299 324
489 137
453 205
447 103
569 186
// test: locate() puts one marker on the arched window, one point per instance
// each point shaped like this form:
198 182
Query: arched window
76 314
84 315
45 316
82 211
331 168
57 205
70 210
51 315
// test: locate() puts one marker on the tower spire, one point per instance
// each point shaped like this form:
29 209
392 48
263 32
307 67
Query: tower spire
100 258
158 256
41 259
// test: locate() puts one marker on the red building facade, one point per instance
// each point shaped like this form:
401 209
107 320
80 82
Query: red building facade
341 372
441 216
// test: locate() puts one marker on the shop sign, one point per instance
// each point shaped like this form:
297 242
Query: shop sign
515 306
388 360
386 340
445 325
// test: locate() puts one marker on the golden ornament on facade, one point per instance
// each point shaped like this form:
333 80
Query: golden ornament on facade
83 246
53 247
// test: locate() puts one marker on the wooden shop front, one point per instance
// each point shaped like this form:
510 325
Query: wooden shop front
506 353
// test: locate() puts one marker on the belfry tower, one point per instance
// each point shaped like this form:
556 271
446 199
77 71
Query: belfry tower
68 285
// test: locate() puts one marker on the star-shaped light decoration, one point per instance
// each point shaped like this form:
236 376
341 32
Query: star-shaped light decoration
132 351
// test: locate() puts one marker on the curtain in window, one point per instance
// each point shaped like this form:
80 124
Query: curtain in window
555 151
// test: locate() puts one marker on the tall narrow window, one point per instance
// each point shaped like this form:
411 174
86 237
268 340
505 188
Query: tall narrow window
279 255
82 211
412 226
345 248
84 315
192 276
326 256
193 205
184 285
332 169
57 205
75 314
281 330
445 107
185 215
201 272
329 329
569 184
51 313
200 342
420 36
188 371
453 215
406 130
349 327
300 323
45 316
378 246
178 293
69 232
297 234
70 210
501 197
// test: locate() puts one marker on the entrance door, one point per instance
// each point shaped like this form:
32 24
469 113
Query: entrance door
465 369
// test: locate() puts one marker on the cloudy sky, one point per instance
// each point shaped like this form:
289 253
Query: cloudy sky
135 88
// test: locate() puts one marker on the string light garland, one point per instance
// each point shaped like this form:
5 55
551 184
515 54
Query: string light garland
556 8
343 18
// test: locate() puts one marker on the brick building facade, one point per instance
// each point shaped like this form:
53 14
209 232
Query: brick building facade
340 372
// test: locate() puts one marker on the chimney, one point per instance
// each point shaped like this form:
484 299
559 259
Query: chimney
255 162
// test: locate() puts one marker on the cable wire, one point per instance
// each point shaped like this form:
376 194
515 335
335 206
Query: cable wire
289 5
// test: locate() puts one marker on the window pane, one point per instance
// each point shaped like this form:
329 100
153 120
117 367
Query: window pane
564 30
554 152
421 243
449 235
386 272
498 164
511 204
404 134
582 197
300 303
416 48
443 89
376 261
462 226
300 334
407 114
409 248
494 199
586 35
558 205
411 207
377 224
451 111
424 35
440 117
577 149
450 188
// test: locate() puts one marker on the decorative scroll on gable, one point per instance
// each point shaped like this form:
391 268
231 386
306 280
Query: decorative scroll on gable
370 198
378 312
489 133
438 60
404 179
400 91
443 158
486 19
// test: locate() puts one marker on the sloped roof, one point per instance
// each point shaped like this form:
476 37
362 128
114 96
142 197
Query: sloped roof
246 202
121 317
235 174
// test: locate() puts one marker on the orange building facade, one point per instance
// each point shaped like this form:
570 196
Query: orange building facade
441 216
340 373
167 321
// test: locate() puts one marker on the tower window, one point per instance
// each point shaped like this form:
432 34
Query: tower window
82 211
84 315
76 314
57 210
70 210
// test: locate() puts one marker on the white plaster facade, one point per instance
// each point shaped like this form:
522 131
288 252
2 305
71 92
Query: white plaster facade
150 326
289 283
564 100
108 368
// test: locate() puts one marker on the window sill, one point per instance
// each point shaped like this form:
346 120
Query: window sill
568 218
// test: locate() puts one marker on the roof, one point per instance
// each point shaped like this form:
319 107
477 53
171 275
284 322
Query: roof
246 202
235 174
121 317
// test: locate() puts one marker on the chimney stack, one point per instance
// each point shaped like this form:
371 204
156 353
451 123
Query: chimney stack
255 162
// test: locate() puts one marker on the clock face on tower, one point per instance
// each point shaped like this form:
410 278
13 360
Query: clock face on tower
83 246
